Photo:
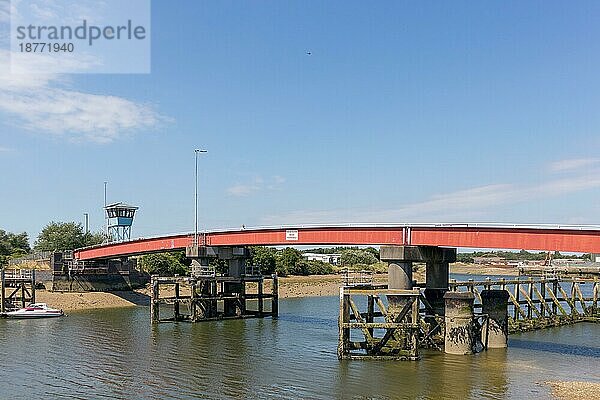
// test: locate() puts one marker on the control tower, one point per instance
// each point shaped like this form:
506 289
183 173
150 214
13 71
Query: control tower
120 217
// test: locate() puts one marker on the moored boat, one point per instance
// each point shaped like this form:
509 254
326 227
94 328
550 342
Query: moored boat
35 310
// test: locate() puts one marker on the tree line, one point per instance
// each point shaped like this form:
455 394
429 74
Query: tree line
55 236
522 255
284 262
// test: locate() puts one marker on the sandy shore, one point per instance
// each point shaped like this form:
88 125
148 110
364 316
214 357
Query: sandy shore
84 301
575 390
475 269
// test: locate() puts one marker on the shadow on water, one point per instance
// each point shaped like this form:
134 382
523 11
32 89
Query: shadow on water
300 319
136 298
559 348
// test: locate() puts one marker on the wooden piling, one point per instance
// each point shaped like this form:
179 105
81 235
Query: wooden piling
529 296
517 306
542 295
260 298
176 314
154 302
193 296
242 304
275 298
595 295
23 295
3 294
554 292
370 312
33 285
343 317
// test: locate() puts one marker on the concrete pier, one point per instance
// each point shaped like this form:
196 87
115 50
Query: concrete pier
494 303
459 337
437 275
400 259
438 259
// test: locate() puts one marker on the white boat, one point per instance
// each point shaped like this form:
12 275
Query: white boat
35 310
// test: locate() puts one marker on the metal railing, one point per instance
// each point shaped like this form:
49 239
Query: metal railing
203 271
357 278
21 274
252 270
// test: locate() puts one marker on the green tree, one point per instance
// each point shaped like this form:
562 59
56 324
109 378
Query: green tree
357 257
287 260
312 267
165 264
265 258
12 245
373 251
65 236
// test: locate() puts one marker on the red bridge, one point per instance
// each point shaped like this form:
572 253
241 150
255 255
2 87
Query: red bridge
570 238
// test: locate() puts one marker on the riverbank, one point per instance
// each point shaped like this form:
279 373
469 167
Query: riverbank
289 287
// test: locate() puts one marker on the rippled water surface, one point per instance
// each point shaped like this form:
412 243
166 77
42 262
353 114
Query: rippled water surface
117 354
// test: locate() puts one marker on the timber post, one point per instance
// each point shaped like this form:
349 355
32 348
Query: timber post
275 298
154 301
193 300
33 285
3 294
176 314
242 304
260 298
343 318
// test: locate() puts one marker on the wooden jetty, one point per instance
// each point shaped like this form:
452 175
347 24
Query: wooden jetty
212 297
537 303
477 315
398 324
17 289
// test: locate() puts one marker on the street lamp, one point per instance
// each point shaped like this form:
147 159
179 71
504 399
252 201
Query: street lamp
87 223
105 214
196 151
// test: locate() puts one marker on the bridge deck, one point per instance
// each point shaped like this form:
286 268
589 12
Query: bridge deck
584 239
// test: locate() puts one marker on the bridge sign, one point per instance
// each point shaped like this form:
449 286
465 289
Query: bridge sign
291 234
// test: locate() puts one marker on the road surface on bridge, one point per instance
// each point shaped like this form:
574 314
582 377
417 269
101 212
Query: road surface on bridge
570 238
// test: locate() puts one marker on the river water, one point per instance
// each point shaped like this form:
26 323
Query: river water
117 354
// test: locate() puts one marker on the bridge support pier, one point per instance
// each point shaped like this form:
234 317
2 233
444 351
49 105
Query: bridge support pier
494 303
437 259
239 293
400 259
460 334
437 275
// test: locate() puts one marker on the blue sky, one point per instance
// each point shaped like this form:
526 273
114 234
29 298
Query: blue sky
404 112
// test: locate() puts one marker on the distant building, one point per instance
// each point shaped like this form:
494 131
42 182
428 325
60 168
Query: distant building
332 259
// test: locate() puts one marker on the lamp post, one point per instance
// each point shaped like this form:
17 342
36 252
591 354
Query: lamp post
105 214
87 222
196 151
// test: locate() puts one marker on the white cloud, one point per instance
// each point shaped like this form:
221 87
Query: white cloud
46 103
5 149
462 205
257 184
6 7
573 164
